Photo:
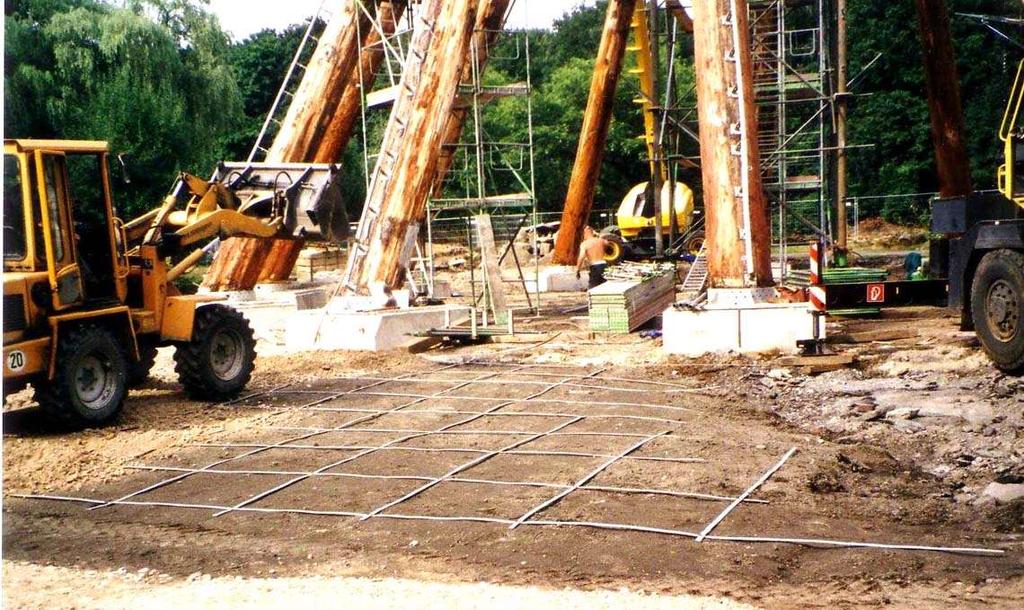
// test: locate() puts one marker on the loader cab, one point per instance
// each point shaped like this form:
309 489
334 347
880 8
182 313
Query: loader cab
59 228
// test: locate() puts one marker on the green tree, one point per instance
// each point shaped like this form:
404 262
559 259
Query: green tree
151 79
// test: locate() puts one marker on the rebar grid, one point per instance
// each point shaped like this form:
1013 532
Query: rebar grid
583 481
166 482
398 477
470 464
811 542
408 437
580 454
583 485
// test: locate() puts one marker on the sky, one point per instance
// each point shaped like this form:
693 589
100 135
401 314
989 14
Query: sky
244 17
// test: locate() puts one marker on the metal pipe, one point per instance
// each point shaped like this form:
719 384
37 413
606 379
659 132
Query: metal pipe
728 509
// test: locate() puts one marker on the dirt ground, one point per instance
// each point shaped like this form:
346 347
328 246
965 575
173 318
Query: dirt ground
901 448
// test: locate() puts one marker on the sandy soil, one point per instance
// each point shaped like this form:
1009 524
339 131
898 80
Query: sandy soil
859 474
39 586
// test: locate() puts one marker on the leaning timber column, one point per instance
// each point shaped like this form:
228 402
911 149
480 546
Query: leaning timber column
342 121
490 21
402 181
590 152
943 87
738 232
304 128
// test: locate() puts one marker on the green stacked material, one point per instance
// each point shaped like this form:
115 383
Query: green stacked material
623 306
854 275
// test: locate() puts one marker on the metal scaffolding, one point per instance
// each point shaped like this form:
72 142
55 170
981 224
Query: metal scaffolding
491 169
794 64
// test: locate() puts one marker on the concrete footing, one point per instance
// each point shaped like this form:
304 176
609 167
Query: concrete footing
301 317
557 279
738 321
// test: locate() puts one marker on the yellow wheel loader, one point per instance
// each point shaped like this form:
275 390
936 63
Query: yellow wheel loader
88 298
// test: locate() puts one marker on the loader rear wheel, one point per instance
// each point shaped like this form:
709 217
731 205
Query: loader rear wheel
90 383
997 307
138 372
219 361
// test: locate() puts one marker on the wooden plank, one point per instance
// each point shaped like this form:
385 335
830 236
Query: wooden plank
874 336
579 199
720 112
943 87
492 271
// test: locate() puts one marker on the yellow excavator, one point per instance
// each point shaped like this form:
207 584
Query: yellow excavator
88 299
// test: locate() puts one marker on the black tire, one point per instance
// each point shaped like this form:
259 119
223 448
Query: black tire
219 361
138 372
90 384
617 251
997 308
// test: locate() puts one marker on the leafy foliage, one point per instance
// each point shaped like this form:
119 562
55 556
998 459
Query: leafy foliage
162 82
151 78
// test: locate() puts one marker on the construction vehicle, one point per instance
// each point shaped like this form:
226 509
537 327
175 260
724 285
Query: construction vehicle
88 299
633 234
985 236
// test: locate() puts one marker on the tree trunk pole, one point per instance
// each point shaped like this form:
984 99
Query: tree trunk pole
594 135
943 87
842 188
328 73
728 143
490 21
242 262
342 121
404 177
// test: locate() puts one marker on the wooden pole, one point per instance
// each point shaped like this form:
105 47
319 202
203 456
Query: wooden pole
594 135
404 176
943 87
842 188
321 90
490 21
738 233
342 121
310 129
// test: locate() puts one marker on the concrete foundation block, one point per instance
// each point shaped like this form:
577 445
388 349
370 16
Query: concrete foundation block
557 279
755 328
297 330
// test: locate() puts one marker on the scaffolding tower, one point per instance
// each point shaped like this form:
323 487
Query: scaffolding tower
794 68
491 168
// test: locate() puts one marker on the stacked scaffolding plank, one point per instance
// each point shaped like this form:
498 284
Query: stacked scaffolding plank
623 306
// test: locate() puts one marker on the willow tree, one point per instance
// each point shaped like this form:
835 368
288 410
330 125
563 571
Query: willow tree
156 85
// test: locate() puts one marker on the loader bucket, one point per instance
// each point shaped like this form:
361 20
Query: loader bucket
307 195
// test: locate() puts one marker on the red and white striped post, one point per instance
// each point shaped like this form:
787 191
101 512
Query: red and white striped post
816 291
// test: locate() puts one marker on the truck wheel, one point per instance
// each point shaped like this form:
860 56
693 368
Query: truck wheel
617 249
218 362
90 382
997 306
138 372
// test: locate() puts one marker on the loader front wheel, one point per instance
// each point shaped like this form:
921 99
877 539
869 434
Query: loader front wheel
219 360
90 382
